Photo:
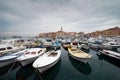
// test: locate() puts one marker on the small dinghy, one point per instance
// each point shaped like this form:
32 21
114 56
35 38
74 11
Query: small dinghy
79 54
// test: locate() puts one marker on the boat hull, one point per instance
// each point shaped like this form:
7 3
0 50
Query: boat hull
109 55
7 62
84 46
84 60
45 68
28 61
29 58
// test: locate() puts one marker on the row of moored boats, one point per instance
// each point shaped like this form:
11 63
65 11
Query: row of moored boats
47 55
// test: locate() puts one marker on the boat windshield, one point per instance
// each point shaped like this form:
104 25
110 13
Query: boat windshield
2 49
75 43
27 53
33 52
9 47
39 51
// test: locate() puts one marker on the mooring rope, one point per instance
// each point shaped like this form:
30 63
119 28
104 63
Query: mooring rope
39 74
11 67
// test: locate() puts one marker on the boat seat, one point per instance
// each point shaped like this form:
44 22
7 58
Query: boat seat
52 53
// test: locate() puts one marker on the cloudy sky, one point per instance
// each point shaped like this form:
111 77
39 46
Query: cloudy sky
36 16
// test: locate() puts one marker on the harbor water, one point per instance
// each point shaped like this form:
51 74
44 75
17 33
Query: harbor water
99 67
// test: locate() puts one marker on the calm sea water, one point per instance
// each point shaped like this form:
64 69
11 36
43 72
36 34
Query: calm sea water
99 67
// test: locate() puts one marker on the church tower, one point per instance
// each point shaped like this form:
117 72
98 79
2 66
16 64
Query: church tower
61 28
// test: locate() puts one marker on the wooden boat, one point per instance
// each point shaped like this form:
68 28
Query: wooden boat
46 61
110 53
30 55
79 54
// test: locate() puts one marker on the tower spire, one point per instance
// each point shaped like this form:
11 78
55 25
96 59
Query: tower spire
61 28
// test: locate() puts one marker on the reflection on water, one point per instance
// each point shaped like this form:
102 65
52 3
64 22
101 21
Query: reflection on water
81 67
100 67
8 72
111 60
5 69
24 72
49 74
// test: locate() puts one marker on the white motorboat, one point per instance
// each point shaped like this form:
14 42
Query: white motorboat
83 46
79 55
46 43
110 45
94 46
7 59
7 49
46 61
10 46
110 53
30 55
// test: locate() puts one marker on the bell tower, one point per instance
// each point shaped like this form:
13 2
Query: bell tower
61 29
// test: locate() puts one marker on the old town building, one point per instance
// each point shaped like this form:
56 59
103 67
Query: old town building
60 33
108 32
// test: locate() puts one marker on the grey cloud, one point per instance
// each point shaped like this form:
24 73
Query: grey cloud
48 15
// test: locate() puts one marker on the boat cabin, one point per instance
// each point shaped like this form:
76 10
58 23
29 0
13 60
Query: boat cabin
5 48
33 52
